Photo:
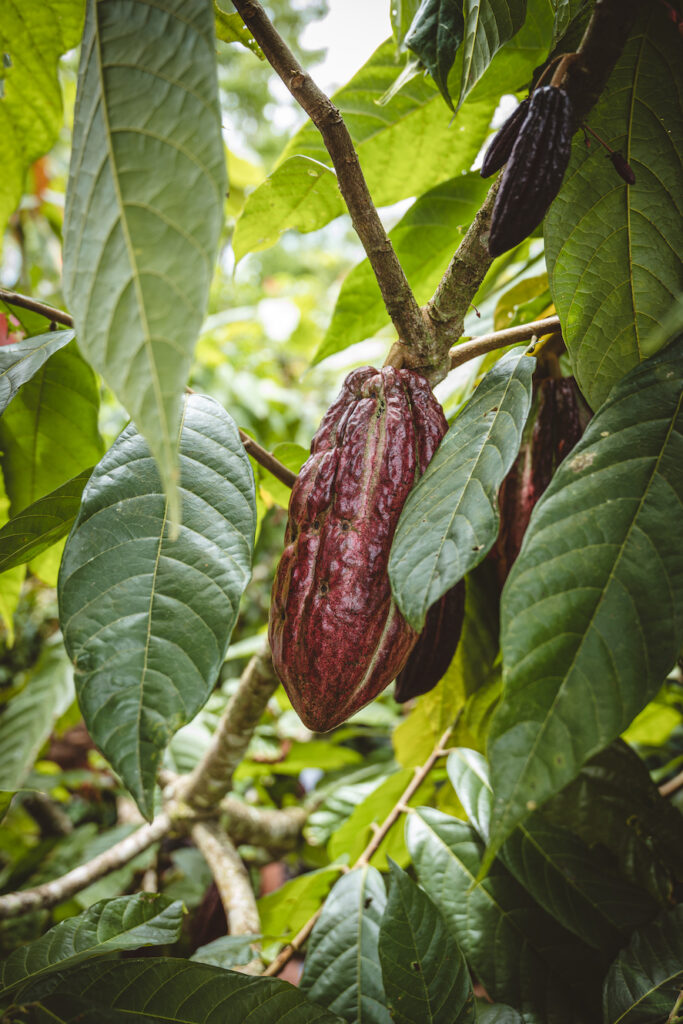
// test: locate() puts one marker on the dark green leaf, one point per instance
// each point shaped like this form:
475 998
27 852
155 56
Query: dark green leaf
565 12
402 14
18 363
425 974
340 971
450 519
435 35
489 24
144 205
646 978
147 619
613 249
40 525
227 951
145 919
176 992
592 612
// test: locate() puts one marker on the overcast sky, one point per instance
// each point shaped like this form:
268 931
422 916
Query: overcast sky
352 30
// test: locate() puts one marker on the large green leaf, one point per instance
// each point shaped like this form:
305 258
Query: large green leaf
49 432
646 978
425 240
285 911
33 35
513 946
592 612
564 875
424 972
145 919
450 519
27 719
340 971
18 363
435 36
175 992
41 524
144 205
614 250
488 26
147 619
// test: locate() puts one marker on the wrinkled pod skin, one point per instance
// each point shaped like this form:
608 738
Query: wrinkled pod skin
434 650
534 172
501 144
336 635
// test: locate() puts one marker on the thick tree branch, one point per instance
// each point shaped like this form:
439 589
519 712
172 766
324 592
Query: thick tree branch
231 877
399 300
262 826
499 339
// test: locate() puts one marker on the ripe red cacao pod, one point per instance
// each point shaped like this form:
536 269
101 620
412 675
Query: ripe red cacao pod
336 635
434 650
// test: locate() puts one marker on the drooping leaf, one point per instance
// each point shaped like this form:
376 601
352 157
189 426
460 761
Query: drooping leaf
435 35
227 951
340 970
18 363
489 24
231 29
33 36
129 922
147 619
497 914
27 719
613 249
144 205
41 524
450 520
285 911
646 978
425 974
176 992
48 434
425 240
580 662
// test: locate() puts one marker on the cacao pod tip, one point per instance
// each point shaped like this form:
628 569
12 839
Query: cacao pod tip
622 167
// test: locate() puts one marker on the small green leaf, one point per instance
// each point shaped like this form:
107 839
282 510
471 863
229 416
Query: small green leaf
40 525
435 35
283 912
402 14
18 363
231 29
646 978
450 520
293 457
489 24
227 951
565 12
146 619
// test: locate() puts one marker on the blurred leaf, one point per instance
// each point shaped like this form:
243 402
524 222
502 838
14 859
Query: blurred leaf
498 1013
402 14
646 978
340 797
565 12
613 249
293 457
39 525
574 677
147 620
227 951
340 970
283 912
139 249
519 295
18 363
231 29
10 581
488 26
435 35
145 919
656 722
450 519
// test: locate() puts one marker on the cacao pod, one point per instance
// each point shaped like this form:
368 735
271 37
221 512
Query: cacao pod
434 650
502 142
535 169
336 635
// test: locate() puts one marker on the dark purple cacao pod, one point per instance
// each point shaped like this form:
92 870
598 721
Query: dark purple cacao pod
501 144
622 167
336 635
535 169
434 650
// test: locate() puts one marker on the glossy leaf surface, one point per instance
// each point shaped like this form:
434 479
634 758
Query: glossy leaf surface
646 978
41 524
435 36
18 363
488 26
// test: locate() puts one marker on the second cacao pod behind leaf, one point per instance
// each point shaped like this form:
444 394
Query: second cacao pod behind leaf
434 650
336 635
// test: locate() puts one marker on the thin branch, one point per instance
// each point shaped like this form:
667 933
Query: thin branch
26 302
399 300
370 850
263 826
667 788
267 460
49 894
499 339
231 877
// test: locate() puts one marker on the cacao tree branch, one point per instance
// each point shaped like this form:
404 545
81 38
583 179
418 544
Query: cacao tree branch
230 875
262 826
672 786
26 302
499 339
406 315
400 807
267 460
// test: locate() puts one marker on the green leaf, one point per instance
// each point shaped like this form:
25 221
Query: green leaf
176 992
450 520
33 34
435 35
498 1013
27 719
402 14
18 363
293 457
497 914
646 978
340 970
144 206
579 662
231 29
227 951
11 581
283 912
489 24
146 619
42 524
425 240
565 12
566 877
48 434
613 250
425 974
145 919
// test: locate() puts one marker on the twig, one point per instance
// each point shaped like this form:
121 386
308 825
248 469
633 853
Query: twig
26 302
399 300
667 788
53 821
673 1016
263 826
267 460
499 339
231 878
370 850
